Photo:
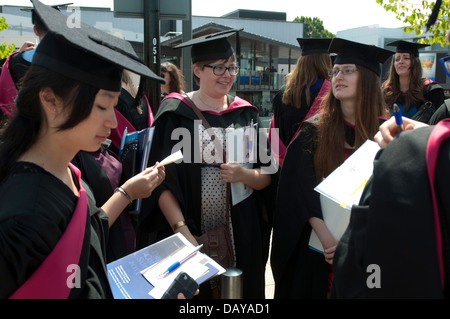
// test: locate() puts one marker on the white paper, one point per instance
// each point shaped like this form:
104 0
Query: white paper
342 189
240 191
241 148
194 268
335 217
171 158
346 183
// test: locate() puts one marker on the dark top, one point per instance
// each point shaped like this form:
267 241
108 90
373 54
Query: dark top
300 272
288 117
184 181
36 209
392 226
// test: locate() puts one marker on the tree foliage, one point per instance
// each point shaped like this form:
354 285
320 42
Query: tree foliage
415 13
5 49
313 28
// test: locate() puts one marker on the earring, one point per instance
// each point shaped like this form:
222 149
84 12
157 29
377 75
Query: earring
54 110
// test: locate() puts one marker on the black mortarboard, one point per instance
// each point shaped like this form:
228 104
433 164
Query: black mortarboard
85 53
407 47
35 18
349 52
213 46
314 45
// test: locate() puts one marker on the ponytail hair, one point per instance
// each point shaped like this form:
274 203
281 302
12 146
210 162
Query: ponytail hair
23 129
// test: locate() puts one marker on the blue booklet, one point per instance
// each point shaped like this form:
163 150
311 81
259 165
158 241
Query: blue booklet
137 276
134 152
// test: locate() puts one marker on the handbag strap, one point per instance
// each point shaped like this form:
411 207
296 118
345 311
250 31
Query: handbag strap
207 126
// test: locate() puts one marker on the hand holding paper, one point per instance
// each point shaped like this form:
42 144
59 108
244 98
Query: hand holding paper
171 158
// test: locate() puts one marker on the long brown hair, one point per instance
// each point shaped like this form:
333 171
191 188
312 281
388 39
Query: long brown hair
308 69
370 106
414 95
177 83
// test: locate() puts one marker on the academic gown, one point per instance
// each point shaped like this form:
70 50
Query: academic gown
287 117
299 272
184 181
292 261
392 228
35 211
433 93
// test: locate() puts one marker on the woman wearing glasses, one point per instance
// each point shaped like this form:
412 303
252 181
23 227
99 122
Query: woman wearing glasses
351 114
193 200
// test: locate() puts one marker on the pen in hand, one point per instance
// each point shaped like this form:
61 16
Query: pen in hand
175 265
398 117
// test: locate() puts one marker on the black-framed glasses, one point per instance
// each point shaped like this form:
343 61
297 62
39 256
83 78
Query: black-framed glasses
221 69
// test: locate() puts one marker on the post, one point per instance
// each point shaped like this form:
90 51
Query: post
232 284
186 64
152 48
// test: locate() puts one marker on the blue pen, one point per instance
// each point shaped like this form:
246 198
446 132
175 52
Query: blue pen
398 117
177 264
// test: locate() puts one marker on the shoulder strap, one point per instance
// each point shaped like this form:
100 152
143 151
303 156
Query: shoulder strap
440 133
197 111
207 126
50 280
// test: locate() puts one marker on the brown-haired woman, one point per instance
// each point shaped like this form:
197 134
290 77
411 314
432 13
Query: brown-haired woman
174 79
417 97
300 98
351 114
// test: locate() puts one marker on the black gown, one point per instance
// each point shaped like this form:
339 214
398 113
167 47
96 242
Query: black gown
36 209
292 261
300 272
392 226
184 181
287 117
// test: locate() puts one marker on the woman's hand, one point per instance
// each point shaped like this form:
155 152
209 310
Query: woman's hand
231 172
389 129
329 254
143 184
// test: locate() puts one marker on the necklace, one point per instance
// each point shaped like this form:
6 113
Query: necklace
215 108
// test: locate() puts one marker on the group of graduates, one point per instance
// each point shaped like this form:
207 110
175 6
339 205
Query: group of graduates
65 196
323 117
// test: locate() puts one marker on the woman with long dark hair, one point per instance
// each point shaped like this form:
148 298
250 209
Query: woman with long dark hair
300 97
350 114
417 97
53 237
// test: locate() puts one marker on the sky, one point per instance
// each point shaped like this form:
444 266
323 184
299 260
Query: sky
336 15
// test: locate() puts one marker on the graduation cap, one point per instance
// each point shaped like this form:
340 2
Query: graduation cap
349 52
85 53
407 47
35 18
213 46
314 45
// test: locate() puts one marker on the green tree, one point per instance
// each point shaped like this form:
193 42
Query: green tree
313 28
415 15
5 49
